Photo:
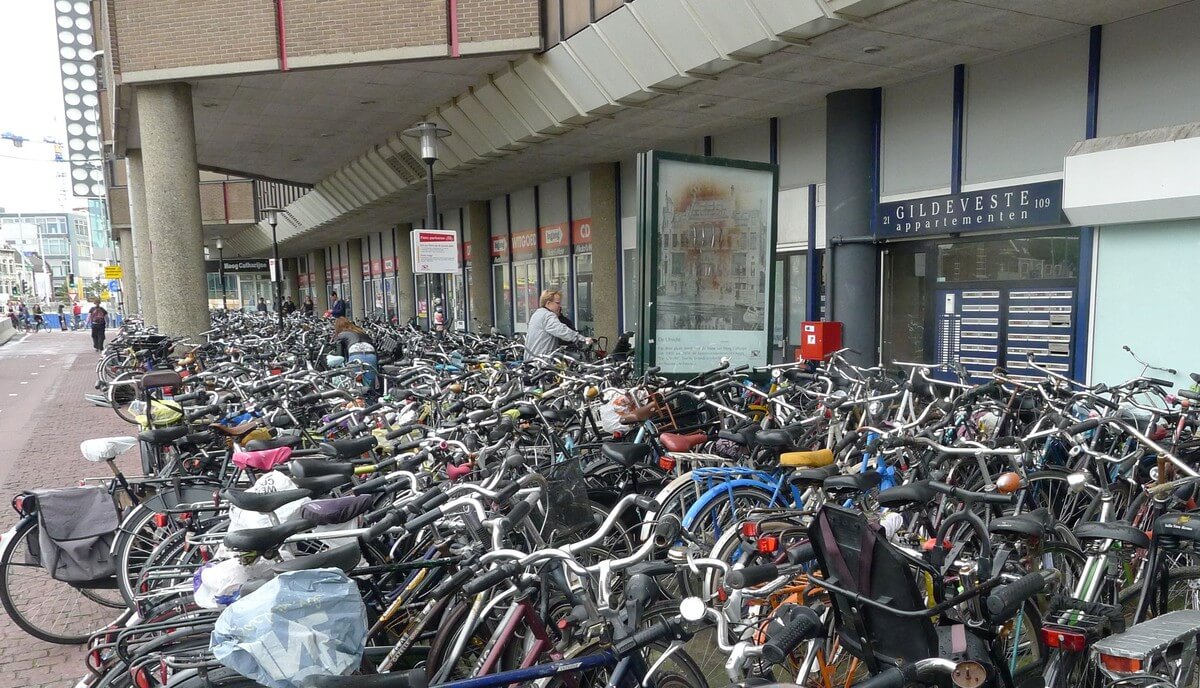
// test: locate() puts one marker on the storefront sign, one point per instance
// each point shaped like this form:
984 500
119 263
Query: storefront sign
1028 205
345 273
434 251
499 247
238 265
389 264
376 267
302 280
553 240
581 235
524 244
466 252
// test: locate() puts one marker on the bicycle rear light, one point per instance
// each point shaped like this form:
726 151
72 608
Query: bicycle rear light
750 530
1121 665
161 520
1061 638
666 462
768 544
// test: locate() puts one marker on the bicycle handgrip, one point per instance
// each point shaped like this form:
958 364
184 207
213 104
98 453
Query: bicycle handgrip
308 399
661 630
1006 600
429 500
200 413
803 554
1084 426
453 583
752 575
889 678
191 396
507 492
667 530
805 625
369 486
416 524
518 513
846 441
491 578
384 525
1160 382
645 503
400 431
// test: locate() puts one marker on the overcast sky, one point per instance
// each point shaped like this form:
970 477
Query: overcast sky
30 106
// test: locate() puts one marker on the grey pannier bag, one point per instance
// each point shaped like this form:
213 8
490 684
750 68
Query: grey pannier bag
76 528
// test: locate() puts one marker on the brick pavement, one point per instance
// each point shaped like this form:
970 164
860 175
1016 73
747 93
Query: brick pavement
43 418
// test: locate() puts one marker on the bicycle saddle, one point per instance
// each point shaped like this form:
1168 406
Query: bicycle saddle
321 485
263 502
345 557
273 443
350 449
1121 532
1033 523
163 436
743 437
807 459
673 442
414 678
235 430
625 453
327 512
265 539
559 415
813 476
855 482
311 468
775 439
906 495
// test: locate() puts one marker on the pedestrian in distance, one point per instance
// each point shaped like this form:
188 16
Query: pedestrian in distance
338 309
62 317
546 331
77 312
38 319
289 306
12 317
308 305
98 319
262 305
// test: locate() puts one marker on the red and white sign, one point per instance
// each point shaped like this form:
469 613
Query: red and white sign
554 236
328 274
499 246
466 251
345 273
366 268
581 231
376 267
389 264
524 244
434 251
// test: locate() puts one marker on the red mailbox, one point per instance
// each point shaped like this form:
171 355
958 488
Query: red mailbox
819 339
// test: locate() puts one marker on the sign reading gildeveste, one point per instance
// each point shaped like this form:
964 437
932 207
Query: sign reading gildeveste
434 251
1028 205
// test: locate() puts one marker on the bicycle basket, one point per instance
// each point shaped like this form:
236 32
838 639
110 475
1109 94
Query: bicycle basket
569 511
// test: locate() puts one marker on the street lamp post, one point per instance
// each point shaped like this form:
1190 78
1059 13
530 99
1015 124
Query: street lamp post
221 273
428 134
273 220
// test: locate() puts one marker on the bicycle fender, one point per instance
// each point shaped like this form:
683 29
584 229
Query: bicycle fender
647 529
721 490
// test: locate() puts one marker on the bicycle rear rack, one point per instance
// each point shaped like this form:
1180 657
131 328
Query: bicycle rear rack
1140 647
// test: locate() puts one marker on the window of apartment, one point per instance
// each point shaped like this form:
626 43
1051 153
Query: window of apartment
56 247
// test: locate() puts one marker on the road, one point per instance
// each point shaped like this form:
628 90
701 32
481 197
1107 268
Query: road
43 418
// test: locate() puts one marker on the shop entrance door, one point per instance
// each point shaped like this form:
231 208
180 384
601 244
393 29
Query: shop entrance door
981 329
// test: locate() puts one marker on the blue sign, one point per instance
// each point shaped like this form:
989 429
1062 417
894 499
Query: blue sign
114 286
1029 205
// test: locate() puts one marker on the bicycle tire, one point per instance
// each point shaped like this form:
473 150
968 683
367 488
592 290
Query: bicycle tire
17 578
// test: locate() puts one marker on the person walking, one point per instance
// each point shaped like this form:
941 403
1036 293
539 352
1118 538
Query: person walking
62 317
38 320
352 343
77 312
338 309
98 319
289 306
308 304
262 305
23 316
546 332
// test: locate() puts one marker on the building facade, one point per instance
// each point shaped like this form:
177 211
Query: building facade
959 182
64 241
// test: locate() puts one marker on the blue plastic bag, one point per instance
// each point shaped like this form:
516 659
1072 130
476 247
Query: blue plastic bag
301 624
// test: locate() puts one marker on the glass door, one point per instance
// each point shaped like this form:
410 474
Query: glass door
502 297
526 278
584 317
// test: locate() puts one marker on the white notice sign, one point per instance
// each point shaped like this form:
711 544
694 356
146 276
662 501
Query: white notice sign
434 251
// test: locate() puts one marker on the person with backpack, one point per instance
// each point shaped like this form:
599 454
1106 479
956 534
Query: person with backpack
98 319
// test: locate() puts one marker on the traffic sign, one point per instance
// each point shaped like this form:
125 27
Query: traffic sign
114 286
113 272
104 295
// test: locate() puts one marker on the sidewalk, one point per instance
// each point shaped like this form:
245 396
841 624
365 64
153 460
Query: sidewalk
43 418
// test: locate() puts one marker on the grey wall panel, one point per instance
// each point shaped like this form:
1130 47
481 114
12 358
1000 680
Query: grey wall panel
916 144
552 199
451 219
751 141
802 149
521 210
629 183
1025 110
1150 71
499 221
581 195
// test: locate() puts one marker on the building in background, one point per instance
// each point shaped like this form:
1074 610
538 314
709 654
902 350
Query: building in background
64 241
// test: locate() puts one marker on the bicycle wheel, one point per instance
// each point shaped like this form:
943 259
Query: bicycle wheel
1049 489
43 607
122 393
726 508
678 670
136 540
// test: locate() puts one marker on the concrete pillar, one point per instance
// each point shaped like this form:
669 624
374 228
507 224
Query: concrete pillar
316 263
404 273
355 297
291 280
140 230
129 282
477 232
172 181
851 256
606 301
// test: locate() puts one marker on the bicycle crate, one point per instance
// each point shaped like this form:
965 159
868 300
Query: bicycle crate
568 508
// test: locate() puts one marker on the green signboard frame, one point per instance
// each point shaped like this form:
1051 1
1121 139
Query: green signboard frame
685 338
